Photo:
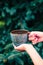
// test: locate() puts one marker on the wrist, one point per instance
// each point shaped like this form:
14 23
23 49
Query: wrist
28 46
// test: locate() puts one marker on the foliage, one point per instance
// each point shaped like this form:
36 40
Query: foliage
19 14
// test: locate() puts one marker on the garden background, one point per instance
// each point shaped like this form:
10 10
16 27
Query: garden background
14 15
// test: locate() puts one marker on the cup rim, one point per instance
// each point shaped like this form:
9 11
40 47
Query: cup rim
19 31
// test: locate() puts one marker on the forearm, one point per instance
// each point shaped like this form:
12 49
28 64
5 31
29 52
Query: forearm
37 60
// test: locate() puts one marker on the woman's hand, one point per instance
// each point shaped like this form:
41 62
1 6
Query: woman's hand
22 47
32 53
35 37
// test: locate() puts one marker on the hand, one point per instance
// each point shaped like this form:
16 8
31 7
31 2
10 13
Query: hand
22 47
32 53
35 36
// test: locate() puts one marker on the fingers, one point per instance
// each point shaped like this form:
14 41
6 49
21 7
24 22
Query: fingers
30 36
33 36
20 48
35 41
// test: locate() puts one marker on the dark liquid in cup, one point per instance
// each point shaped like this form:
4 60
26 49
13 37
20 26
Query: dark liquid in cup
19 32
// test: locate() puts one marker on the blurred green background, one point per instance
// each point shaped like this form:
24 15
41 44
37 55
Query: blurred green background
19 14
